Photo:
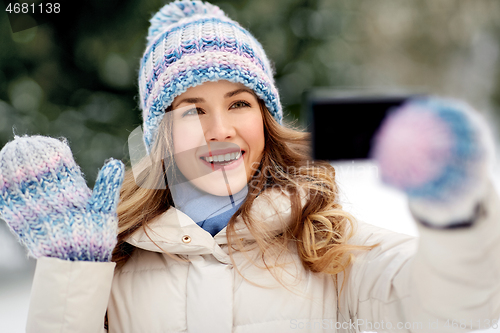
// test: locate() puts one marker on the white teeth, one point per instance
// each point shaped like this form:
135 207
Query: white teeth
223 158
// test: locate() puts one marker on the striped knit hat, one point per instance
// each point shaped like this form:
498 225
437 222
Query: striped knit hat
192 42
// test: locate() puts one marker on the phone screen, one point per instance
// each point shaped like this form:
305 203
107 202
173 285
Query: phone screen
343 128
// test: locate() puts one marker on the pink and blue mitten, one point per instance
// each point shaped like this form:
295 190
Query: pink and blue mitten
45 201
438 151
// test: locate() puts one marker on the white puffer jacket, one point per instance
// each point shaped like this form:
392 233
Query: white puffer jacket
450 284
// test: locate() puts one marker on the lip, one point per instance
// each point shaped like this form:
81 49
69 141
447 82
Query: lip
221 152
231 166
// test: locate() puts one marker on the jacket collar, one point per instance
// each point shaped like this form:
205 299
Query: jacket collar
176 233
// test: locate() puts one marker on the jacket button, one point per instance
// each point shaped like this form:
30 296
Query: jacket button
186 238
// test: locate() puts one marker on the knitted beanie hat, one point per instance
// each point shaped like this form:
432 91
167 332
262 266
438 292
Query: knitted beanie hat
192 42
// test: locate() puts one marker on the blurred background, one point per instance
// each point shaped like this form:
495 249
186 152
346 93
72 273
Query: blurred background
75 77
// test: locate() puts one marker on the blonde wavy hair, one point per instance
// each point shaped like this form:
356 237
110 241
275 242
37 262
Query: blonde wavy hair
319 229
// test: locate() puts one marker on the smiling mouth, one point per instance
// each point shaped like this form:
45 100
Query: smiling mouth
223 159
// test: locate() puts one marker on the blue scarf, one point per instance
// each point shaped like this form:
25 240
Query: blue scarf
211 212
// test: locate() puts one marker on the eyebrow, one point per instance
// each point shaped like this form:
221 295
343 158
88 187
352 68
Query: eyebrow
193 100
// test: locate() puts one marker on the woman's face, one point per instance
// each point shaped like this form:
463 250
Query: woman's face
218 136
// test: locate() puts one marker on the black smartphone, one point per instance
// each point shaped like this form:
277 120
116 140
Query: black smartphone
343 128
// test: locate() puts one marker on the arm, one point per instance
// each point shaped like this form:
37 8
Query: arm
453 277
438 152
457 271
71 231
69 296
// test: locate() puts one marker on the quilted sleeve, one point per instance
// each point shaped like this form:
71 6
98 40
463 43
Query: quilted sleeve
444 281
69 296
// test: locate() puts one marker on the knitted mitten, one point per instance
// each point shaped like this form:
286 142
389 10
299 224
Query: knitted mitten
46 202
438 152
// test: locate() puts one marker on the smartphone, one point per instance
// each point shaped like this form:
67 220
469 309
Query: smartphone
343 128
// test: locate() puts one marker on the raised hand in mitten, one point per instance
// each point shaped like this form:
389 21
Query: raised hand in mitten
46 202
438 152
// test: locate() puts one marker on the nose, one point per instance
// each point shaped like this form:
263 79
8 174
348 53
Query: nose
219 127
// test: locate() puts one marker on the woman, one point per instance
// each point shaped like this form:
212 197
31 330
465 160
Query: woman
225 227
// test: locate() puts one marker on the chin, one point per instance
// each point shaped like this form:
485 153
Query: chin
215 184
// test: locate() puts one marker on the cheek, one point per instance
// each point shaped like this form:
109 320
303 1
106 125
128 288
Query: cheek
185 142
186 137
254 135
